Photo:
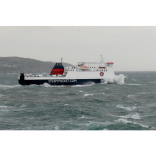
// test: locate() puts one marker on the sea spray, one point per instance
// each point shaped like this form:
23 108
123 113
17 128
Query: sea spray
118 79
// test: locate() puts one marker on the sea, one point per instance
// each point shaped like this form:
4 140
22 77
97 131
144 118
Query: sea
128 104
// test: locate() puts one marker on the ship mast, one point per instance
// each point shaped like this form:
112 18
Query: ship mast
101 59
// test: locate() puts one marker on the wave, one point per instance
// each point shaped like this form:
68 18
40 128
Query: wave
84 117
22 105
133 79
8 86
101 93
133 84
125 121
56 127
85 85
81 91
1 95
152 82
50 86
5 107
46 85
126 108
132 116
118 79
88 94
131 96
66 104
97 125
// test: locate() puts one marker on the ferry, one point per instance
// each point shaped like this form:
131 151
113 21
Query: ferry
82 73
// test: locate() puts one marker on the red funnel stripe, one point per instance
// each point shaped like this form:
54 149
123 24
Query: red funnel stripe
57 71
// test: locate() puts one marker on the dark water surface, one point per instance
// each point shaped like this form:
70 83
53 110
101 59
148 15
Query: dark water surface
130 106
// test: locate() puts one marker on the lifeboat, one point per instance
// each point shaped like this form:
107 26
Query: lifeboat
84 67
102 67
110 63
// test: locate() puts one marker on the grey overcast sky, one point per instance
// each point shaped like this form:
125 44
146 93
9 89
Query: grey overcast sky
130 48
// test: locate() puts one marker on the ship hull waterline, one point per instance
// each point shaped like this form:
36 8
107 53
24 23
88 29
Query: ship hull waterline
58 82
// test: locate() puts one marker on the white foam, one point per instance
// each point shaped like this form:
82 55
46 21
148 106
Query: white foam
50 86
46 85
88 94
132 116
4 107
85 85
66 104
126 108
23 105
142 125
133 84
101 93
84 117
133 80
57 127
81 91
125 121
118 79
7 86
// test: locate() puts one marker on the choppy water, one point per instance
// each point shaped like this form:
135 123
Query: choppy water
129 106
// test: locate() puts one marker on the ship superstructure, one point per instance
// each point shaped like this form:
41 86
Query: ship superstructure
82 73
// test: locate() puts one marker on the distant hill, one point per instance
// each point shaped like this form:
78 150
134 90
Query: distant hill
26 65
